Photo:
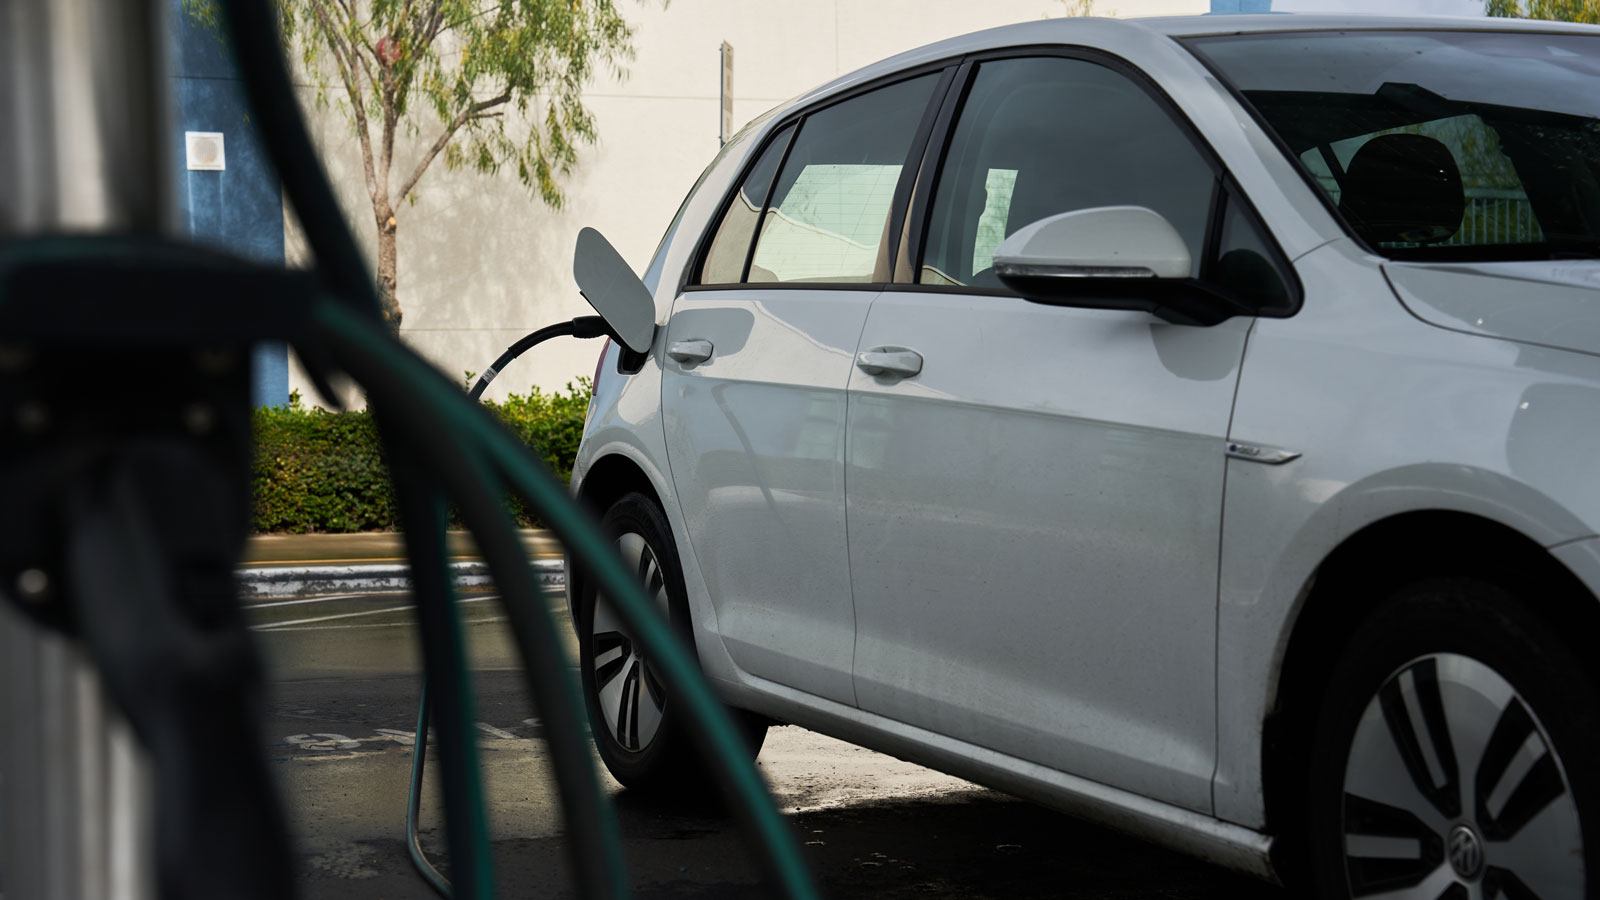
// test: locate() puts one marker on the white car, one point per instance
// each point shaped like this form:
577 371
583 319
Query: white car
1191 424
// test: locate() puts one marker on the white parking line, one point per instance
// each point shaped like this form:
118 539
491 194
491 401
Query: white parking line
368 612
274 630
306 600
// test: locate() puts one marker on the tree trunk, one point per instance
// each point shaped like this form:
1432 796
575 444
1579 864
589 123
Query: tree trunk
388 269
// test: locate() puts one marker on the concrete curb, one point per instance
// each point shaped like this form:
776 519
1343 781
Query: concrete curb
259 582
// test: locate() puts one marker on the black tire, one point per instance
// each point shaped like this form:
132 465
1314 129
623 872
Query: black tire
643 753
1455 755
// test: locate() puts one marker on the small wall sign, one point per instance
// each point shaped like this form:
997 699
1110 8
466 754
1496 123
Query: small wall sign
204 151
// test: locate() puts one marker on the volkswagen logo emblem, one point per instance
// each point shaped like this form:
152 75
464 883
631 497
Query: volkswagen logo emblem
1466 852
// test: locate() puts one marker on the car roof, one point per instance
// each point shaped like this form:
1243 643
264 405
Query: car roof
1191 26
1094 31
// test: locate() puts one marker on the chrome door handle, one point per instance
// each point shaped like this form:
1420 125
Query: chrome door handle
696 351
899 362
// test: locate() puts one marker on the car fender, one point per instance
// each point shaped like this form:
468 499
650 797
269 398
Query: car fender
1366 390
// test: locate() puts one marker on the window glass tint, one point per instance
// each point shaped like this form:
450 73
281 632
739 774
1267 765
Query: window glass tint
1436 145
1496 208
1246 267
1049 135
725 258
830 206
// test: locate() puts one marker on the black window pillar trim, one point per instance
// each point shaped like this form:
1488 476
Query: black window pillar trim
1215 217
914 231
766 198
911 169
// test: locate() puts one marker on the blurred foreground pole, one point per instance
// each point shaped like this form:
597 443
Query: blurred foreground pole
83 113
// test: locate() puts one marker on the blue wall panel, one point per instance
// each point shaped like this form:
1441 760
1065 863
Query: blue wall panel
239 209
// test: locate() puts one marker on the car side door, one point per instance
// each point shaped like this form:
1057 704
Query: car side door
1035 491
759 350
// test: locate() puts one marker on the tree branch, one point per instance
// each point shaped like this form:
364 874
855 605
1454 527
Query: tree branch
343 58
435 21
465 116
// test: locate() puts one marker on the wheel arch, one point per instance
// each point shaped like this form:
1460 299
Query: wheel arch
608 479
1350 583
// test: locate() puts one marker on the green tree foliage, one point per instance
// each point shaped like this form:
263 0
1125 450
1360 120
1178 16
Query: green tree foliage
1555 10
317 470
485 84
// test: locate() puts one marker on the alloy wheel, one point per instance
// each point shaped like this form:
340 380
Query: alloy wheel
1453 791
631 696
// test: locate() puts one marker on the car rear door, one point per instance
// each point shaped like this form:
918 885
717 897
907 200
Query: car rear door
1034 501
760 349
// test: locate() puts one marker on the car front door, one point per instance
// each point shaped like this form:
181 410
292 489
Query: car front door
1034 492
760 350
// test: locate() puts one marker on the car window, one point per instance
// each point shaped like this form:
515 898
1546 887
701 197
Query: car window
1435 145
731 245
829 208
1046 135
1496 208
1246 265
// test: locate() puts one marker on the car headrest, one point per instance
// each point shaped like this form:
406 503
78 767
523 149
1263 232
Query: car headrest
1403 188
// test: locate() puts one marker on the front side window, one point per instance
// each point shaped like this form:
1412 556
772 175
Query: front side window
828 210
1451 145
1040 136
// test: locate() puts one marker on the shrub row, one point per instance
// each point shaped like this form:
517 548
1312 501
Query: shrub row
317 470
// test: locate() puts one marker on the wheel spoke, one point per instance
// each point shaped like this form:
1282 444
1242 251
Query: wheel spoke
1517 777
628 708
1436 886
1414 713
1375 771
1539 860
649 708
655 584
609 654
612 700
658 694
1387 848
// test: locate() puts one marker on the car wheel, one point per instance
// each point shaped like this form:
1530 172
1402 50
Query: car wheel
636 729
1454 758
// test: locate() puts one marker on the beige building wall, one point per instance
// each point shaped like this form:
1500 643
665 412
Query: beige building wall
481 262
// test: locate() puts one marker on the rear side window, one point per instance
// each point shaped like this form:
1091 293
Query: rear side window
731 244
827 213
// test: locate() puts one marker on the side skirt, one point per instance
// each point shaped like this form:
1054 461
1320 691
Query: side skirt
1225 844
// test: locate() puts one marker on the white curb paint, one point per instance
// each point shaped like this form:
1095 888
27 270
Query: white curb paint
300 581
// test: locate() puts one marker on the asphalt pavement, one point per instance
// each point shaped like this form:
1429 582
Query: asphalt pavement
341 732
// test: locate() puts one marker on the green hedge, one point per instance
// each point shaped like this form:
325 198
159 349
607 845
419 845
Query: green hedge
324 471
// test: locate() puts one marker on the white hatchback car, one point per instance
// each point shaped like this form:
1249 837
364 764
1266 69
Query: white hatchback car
1192 424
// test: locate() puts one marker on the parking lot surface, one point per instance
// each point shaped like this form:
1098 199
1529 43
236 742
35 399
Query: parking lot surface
342 725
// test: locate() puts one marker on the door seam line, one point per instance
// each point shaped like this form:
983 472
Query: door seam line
1216 604
844 486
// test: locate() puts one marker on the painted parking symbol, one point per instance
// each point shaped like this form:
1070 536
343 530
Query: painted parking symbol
323 740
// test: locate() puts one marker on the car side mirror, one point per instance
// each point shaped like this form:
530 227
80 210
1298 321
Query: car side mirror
607 281
1111 257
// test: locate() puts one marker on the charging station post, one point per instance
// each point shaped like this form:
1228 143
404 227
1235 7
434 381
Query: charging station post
82 152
